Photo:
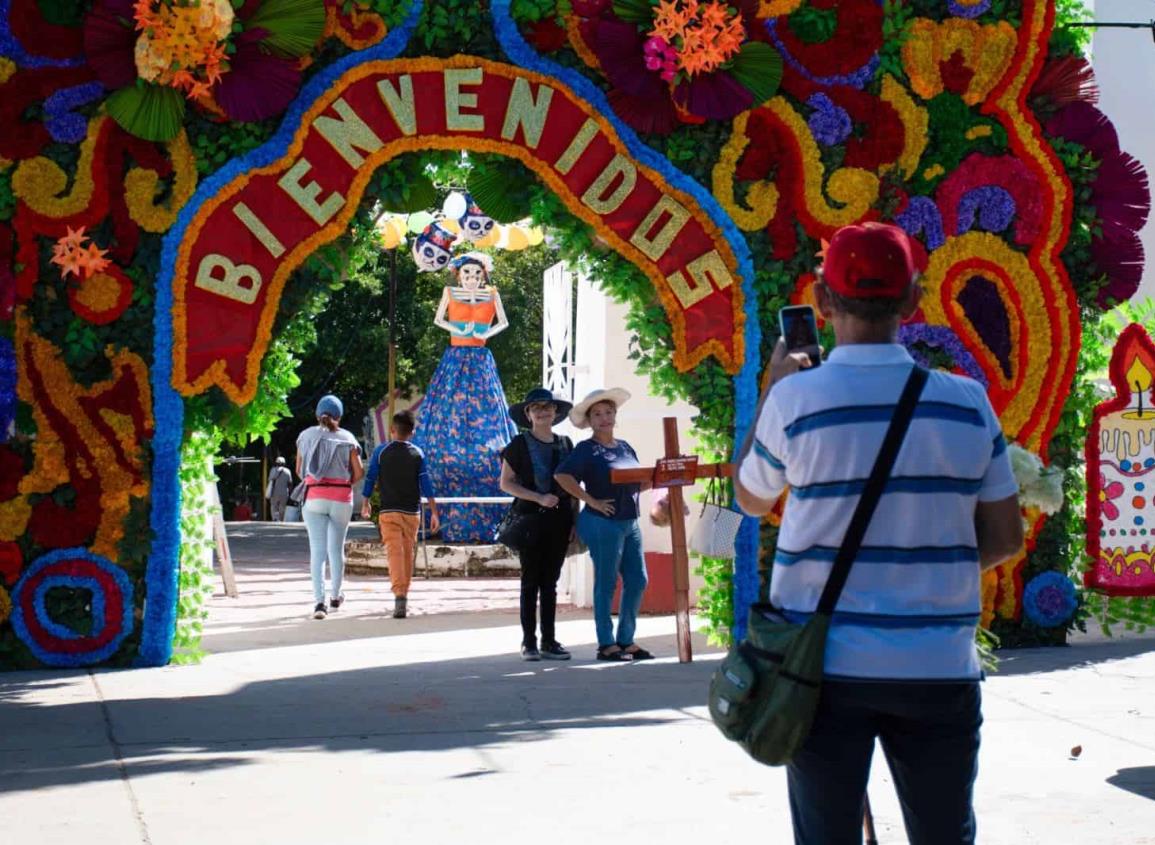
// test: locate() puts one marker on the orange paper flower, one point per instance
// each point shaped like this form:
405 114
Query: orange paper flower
73 257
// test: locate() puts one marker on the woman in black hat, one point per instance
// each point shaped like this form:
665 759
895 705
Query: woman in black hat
527 468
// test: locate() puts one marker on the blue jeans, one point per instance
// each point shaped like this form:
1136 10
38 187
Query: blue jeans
616 547
930 735
327 523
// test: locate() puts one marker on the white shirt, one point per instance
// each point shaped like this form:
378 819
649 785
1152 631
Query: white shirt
912 600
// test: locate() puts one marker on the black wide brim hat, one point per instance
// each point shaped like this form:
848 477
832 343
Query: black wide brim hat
538 394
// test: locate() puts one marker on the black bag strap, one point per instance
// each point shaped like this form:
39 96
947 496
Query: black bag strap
872 492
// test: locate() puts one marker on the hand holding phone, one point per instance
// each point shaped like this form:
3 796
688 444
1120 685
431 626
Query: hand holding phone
799 331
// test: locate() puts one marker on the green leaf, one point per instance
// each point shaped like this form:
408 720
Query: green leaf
634 11
148 111
491 189
294 26
758 68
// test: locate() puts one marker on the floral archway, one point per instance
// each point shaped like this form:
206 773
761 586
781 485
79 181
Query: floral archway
773 122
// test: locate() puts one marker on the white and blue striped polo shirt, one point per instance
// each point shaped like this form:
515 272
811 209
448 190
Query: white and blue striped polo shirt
911 604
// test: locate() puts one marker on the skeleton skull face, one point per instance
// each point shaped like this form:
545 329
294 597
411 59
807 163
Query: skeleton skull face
474 226
471 276
429 256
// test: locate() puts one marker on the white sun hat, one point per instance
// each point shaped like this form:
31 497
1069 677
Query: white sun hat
579 415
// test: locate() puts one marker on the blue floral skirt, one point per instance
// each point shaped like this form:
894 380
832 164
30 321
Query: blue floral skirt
462 426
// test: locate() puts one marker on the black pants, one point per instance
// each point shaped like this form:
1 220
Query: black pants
541 562
930 735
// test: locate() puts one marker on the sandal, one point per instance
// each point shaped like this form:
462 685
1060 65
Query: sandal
611 652
636 652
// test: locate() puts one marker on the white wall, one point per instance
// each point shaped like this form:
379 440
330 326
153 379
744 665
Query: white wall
601 352
1124 62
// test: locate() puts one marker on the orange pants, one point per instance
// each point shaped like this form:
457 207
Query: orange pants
399 534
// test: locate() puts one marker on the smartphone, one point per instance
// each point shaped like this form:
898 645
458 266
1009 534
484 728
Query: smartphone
800 331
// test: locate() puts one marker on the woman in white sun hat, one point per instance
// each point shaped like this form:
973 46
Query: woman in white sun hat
608 523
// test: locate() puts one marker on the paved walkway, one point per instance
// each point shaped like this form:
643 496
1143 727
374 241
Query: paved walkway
365 729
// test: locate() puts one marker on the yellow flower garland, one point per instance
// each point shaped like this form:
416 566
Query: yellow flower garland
14 516
915 124
988 50
1028 317
762 196
42 184
5 605
141 187
853 188
117 485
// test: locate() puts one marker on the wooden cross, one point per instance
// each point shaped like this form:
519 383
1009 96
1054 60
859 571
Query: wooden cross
676 471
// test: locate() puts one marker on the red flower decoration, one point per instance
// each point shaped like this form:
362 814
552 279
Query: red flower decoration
52 526
11 562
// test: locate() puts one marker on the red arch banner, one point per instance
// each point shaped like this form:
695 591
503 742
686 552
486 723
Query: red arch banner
245 239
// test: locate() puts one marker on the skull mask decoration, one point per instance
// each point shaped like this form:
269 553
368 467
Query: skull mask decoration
475 224
431 248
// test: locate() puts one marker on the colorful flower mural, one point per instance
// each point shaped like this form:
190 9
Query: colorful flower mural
974 127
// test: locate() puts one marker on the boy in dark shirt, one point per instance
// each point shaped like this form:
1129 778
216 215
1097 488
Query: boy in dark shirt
397 468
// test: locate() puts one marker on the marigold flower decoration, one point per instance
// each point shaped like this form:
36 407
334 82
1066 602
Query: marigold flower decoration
74 257
183 44
243 64
680 60
704 36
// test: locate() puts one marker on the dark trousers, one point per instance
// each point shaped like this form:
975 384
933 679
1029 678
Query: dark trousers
930 735
541 562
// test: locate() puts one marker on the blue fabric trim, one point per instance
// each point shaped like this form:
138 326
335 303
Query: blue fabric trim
858 414
746 381
883 554
999 446
159 624
891 620
897 484
766 455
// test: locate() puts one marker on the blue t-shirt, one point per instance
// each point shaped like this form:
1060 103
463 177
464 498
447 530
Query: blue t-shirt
541 456
590 463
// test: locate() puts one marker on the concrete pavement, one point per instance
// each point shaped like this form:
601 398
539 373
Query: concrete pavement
363 728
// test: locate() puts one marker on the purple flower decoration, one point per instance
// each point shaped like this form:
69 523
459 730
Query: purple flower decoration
914 335
994 206
7 387
858 79
829 122
64 124
922 217
1049 599
968 10
14 50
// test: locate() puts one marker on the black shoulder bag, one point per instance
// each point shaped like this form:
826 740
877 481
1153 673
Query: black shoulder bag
765 693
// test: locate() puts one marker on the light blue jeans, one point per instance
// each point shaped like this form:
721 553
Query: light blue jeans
327 523
616 547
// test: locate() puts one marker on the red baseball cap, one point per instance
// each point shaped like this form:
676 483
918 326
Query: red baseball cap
869 261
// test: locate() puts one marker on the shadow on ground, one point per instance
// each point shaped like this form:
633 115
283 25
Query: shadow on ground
439 705
1139 780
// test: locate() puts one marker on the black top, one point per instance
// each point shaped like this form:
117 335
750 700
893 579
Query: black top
517 455
399 467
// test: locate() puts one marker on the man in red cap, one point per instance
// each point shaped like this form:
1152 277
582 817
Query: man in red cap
900 664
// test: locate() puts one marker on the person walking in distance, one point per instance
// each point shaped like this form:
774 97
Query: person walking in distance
277 491
900 660
397 471
329 460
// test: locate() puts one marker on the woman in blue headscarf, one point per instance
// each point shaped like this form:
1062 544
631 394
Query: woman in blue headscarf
329 461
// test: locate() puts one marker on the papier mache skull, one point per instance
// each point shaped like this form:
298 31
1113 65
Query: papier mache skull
431 249
475 223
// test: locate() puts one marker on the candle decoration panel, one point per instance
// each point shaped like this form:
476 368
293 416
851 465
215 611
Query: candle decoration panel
1121 473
